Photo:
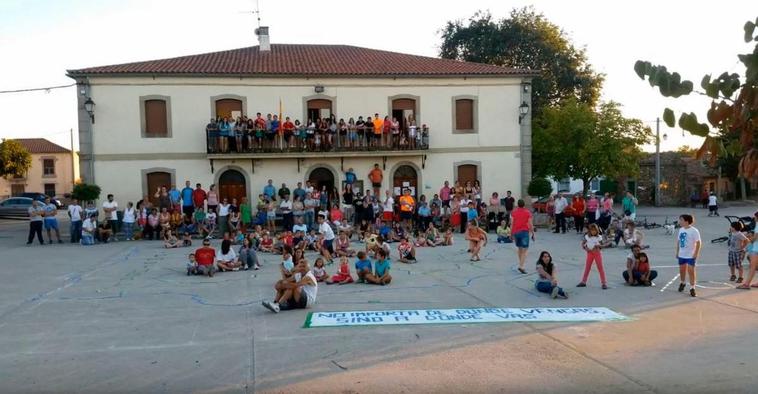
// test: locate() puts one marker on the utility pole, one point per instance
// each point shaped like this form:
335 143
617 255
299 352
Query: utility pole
657 162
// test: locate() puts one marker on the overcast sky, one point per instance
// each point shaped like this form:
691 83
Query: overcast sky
39 40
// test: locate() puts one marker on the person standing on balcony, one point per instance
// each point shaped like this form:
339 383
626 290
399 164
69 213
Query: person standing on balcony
289 129
224 130
360 127
211 130
351 133
386 129
412 132
239 132
378 126
395 128
260 130
276 138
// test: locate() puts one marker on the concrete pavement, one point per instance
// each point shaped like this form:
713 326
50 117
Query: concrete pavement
123 317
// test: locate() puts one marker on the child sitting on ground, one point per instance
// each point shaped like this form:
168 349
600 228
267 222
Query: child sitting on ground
448 238
311 240
319 271
363 230
186 239
362 267
504 233
381 275
343 273
191 264
342 246
169 240
267 244
210 223
405 249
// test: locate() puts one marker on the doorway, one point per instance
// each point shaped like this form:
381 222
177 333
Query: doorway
467 173
229 108
405 178
320 177
403 110
231 184
319 109
156 180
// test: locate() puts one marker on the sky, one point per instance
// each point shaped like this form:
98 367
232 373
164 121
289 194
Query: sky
41 39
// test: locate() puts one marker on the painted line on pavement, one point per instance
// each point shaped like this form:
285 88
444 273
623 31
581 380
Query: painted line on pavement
670 282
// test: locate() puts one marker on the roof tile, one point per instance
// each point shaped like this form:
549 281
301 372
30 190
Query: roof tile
306 60
40 145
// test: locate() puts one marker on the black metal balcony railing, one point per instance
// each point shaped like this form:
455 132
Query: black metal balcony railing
252 142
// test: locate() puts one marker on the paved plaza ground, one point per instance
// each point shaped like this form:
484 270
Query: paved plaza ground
123 317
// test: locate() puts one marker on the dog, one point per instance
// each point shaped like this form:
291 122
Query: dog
669 229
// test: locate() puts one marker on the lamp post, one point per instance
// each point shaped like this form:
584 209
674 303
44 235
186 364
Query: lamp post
523 109
89 106
658 161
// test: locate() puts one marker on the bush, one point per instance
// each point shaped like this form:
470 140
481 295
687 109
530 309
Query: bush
86 192
540 187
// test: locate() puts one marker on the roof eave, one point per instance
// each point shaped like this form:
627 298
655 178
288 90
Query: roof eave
74 74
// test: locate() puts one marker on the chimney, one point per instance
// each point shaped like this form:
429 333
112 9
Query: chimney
262 33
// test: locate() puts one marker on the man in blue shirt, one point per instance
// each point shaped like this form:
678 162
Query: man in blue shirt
175 196
299 192
270 191
363 267
188 208
350 177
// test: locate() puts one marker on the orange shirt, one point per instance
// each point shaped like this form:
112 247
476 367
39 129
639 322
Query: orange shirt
375 175
407 203
378 125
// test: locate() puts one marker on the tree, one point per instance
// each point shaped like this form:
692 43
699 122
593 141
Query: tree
733 109
539 187
579 142
687 150
15 160
86 192
526 40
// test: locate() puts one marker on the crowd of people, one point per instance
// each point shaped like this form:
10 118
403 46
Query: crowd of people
259 134
354 224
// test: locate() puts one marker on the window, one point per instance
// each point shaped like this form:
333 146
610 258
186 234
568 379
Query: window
155 116
564 185
595 184
17 190
50 189
48 167
464 114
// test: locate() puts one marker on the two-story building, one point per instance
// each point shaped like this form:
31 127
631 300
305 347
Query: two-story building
143 124
52 171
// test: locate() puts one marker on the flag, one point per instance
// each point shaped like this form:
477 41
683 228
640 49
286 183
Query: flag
281 120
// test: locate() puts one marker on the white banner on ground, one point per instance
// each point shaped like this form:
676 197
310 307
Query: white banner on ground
458 316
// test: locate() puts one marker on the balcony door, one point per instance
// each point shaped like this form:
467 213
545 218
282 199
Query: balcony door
229 108
404 110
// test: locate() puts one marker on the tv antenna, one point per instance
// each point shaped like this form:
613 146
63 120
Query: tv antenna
256 12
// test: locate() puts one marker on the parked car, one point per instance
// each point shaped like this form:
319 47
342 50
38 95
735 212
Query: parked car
540 205
41 197
15 207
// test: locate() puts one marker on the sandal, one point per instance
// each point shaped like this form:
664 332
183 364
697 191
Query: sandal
523 271
739 280
732 278
743 287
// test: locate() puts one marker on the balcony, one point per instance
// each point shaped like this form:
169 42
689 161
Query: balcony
247 145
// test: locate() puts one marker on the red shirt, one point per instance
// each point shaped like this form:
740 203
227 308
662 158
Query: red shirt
520 220
578 205
288 126
198 197
205 256
643 267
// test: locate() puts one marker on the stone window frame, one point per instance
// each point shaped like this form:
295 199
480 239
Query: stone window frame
143 119
474 110
55 172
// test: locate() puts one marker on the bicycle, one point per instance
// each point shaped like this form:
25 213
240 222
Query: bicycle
748 226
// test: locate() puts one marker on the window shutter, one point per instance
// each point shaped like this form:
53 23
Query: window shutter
156 123
464 114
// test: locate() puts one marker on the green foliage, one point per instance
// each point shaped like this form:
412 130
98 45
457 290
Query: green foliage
526 40
575 141
15 160
733 112
86 192
539 187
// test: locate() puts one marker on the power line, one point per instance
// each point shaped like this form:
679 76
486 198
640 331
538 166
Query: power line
49 88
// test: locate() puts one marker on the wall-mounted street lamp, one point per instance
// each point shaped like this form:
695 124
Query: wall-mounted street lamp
523 109
89 106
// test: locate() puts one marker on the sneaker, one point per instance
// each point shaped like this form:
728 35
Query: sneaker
210 273
681 287
582 284
692 292
245 267
605 287
523 271
562 294
235 269
272 306
554 293
257 267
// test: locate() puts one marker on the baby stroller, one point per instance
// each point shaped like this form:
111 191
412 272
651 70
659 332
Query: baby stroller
748 226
